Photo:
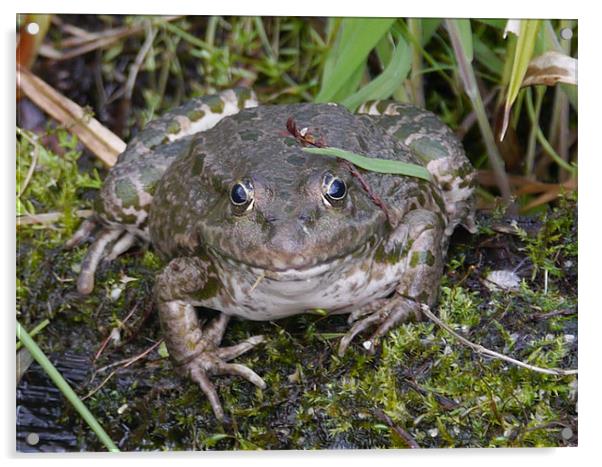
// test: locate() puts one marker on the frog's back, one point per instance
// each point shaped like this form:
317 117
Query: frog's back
439 150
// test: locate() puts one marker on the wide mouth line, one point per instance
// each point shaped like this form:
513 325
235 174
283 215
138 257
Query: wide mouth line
290 269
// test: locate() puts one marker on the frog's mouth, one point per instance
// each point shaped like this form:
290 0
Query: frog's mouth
295 268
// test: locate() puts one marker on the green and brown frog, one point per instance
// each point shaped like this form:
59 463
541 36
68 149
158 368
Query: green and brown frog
251 225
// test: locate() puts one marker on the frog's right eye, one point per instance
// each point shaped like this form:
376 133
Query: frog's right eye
242 195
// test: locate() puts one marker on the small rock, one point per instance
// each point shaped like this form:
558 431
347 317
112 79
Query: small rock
502 280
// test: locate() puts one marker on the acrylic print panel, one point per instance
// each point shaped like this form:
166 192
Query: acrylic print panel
248 233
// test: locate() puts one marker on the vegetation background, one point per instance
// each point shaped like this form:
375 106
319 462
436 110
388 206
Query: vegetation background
425 388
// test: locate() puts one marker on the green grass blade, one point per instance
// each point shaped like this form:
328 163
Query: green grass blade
356 38
60 382
472 90
35 331
429 27
522 56
374 164
387 82
487 57
465 36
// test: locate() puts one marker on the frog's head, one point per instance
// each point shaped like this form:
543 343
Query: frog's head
248 193
292 220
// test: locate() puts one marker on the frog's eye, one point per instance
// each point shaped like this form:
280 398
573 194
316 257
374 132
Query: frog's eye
334 189
241 195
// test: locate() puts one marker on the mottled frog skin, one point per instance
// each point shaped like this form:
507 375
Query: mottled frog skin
252 226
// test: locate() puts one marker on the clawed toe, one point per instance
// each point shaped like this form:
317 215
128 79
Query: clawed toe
214 362
396 311
118 239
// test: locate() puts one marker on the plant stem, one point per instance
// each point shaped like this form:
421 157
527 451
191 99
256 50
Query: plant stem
470 86
540 91
415 27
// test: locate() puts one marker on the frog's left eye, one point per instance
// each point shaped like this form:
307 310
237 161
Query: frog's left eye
242 195
334 189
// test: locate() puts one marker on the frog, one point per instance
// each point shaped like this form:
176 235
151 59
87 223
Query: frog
249 224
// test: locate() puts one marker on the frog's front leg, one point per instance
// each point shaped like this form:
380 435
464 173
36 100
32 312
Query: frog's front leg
195 348
423 266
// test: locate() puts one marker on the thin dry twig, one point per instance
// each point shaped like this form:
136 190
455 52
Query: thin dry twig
306 138
128 361
121 325
83 42
484 351
151 33
403 434
49 217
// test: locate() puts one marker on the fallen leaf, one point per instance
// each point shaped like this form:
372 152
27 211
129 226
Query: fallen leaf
102 142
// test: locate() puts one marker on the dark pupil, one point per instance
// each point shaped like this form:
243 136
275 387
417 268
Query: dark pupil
238 194
336 190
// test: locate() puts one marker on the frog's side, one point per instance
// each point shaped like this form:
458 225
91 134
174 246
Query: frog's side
254 227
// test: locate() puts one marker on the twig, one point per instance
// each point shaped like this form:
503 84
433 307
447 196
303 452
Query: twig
49 217
128 361
482 350
97 138
121 325
151 33
403 434
306 138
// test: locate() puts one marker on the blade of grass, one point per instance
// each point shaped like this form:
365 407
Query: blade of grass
374 164
387 82
522 56
435 66
356 38
545 144
417 86
60 382
487 57
429 27
530 157
472 90
35 331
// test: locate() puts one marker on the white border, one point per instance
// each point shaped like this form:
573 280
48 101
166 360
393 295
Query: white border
590 131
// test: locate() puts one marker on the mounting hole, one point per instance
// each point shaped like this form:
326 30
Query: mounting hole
566 433
32 439
566 33
33 28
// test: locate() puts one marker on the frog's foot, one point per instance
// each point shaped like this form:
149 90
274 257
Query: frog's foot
383 314
119 240
213 361
209 359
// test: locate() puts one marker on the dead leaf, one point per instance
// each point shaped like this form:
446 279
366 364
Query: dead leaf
550 68
513 26
102 142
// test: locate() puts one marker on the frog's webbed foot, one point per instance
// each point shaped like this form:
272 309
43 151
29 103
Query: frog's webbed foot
196 350
110 242
383 315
